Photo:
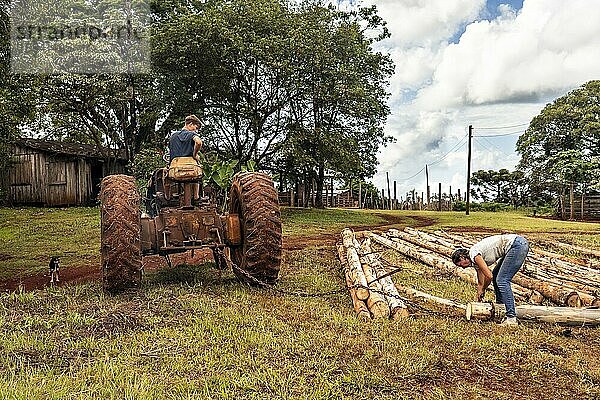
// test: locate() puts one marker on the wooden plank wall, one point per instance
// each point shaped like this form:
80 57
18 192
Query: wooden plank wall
591 207
27 177
43 179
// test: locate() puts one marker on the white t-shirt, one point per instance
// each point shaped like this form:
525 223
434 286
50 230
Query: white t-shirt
492 248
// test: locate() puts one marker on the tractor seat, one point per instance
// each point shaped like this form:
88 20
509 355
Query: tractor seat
184 169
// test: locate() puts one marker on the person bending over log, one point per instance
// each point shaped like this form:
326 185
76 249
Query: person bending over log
508 252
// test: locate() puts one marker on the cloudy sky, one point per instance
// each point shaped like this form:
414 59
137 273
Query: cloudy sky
492 64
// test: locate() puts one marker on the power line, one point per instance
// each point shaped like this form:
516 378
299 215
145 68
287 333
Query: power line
493 145
504 127
412 176
501 134
461 142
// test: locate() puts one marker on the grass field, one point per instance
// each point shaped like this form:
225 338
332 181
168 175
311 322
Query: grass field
190 333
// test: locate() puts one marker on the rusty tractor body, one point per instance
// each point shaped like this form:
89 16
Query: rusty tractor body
179 218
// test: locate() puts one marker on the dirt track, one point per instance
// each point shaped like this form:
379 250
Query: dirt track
87 273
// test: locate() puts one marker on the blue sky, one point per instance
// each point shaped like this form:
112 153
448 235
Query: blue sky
493 65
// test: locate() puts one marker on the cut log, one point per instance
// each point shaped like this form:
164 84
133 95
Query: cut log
468 274
429 297
572 247
361 309
566 283
428 237
397 306
355 269
556 315
362 312
416 240
376 302
440 246
558 295
537 270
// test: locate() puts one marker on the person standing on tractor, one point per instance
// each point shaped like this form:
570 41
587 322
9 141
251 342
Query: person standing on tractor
185 143
508 252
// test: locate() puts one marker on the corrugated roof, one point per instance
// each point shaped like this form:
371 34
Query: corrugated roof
74 149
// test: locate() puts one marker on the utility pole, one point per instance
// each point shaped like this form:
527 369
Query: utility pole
468 205
427 177
359 194
387 177
395 203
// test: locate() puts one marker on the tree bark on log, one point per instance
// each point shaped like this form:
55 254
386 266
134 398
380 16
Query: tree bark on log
416 240
555 315
557 294
428 258
362 312
429 297
579 249
428 237
355 269
397 307
376 302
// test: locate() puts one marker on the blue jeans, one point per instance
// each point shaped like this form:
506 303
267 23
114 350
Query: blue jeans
506 270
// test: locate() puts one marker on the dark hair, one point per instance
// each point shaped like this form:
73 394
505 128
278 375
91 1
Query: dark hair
458 254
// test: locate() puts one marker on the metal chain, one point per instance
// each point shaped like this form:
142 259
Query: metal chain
338 291
286 292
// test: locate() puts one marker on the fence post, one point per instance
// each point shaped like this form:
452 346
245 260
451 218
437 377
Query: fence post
395 204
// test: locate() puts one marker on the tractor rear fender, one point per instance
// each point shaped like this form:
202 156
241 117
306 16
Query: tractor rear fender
233 231
149 239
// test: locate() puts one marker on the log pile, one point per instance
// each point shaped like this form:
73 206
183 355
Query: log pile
542 278
373 294
558 277
546 278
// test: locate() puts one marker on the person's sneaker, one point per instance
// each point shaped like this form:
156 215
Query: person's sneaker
509 322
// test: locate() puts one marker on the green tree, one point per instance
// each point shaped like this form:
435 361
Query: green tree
109 110
18 94
338 118
562 144
233 61
499 186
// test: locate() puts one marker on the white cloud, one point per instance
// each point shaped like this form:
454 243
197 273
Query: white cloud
425 22
548 46
499 73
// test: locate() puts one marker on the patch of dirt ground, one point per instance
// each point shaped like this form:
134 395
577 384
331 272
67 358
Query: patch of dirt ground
88 273
330 239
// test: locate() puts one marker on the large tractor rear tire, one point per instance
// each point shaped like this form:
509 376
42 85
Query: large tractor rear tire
120 233
254 198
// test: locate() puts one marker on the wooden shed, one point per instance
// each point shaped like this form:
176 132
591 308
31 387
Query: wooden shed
590 203
52 173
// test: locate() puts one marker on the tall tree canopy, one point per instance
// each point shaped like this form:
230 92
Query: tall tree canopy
499 186
233 61
338 116
293 86
562 144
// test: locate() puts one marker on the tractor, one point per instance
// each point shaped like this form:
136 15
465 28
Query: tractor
179 217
